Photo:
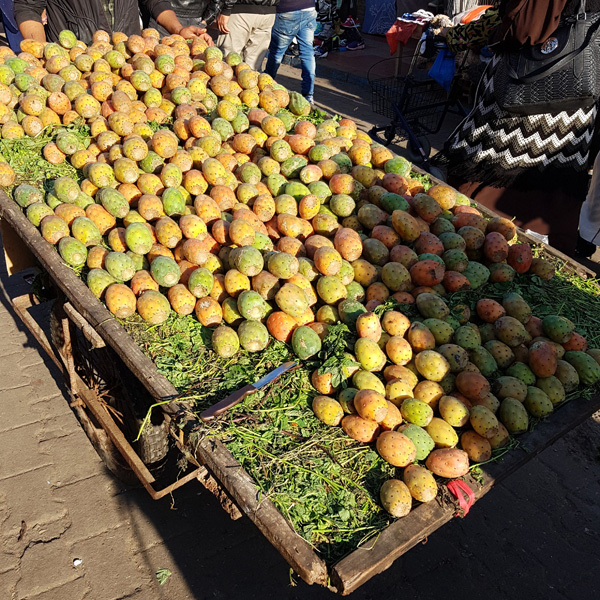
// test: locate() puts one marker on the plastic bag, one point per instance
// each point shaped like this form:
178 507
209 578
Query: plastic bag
443 68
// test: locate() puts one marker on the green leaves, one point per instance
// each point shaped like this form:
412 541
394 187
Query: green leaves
333 355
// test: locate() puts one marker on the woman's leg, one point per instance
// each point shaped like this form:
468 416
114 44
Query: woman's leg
283 32
306 37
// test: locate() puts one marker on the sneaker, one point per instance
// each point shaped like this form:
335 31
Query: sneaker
326 33
356 45
350 22
320 52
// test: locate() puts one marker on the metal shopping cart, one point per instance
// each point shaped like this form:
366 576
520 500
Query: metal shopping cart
415 103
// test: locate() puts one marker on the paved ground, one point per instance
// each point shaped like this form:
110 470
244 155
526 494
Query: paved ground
537 536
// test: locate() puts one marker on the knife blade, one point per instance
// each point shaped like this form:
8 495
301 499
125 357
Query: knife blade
220 407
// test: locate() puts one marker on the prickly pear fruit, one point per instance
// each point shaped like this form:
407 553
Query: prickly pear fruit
396 448
477 447
98 280
432 306
567 375
120 300
510 387
182 300
369 354
483 360
442 331
327 410
142 281
511 331
119 265
501 353
359 429
138 238
432 365
489 310
472 385
393 418
225 341
113 201
456 356
557 328
516 307
587 368
420 337
442 434
489 401
416 412
420 482
552 387
165 271
513 415
85 230
542 359
453 411
420 438
521 371
537 403
153 307
501 438
395 496
73 252
467 337
370 404
484 421
448 462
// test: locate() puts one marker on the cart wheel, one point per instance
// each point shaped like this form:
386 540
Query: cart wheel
437 173
412 152
389 134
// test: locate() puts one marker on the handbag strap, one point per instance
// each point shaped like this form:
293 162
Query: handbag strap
545 71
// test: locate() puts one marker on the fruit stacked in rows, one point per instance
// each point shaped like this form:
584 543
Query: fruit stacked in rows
455 386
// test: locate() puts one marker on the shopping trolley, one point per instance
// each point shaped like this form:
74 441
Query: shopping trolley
415 103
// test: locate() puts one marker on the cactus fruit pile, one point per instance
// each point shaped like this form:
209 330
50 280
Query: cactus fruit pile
205 188
455 388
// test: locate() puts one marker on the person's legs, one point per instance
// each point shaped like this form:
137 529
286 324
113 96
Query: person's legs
240 27
284 30
258 41
306 37
589 217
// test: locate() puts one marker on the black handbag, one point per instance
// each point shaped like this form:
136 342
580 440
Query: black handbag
563 73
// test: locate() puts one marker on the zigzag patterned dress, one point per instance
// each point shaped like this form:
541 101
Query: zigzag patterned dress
501 150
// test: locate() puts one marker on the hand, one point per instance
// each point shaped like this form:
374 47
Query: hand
222 21
192 31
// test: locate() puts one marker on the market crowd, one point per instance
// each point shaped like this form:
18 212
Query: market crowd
528 144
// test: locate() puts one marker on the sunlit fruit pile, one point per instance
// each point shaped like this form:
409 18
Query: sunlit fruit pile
454 391
207 189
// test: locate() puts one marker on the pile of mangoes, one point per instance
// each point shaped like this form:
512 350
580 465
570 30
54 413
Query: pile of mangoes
458 386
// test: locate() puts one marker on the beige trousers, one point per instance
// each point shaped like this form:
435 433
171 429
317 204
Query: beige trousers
249 35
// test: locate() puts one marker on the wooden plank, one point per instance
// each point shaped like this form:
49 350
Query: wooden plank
296 551
402 535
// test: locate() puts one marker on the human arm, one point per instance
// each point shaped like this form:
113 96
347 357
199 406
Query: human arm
28 15
165 16
223 18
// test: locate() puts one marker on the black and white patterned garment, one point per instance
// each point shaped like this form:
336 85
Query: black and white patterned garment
496 148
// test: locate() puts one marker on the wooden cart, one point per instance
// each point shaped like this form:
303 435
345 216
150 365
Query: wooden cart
212 464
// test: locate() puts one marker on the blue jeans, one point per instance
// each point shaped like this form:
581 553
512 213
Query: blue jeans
302 25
